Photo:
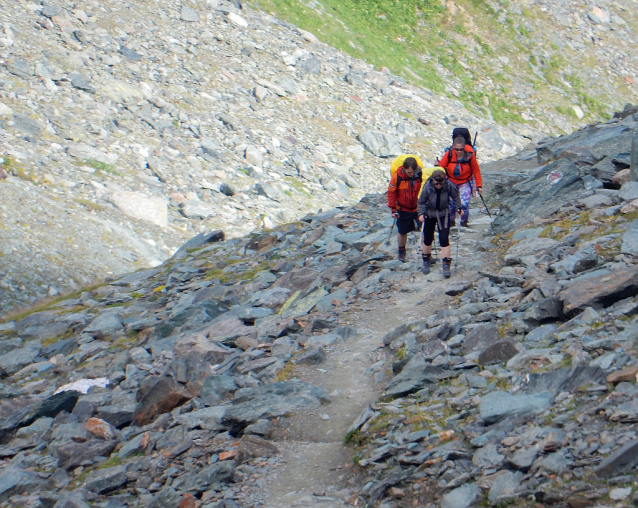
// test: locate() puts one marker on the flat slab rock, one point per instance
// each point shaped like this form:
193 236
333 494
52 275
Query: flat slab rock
602 290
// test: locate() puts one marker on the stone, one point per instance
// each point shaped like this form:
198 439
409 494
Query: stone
17 359
480 338
623 459
86 152
461 497
497 406
106 480
270 401
100 428
251 446
163 396
136 445
15 481
505 485
313 356
189 14
629 191
568 379
524 458
628 374
152 209
72 454
381 144
415 376
596 290
619 494
630 239
105 323
500 352
210 478
487 457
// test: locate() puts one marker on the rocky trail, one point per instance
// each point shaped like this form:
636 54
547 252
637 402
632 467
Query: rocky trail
231 375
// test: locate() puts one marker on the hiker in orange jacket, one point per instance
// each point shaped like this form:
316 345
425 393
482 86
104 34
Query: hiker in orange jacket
403 193
461 168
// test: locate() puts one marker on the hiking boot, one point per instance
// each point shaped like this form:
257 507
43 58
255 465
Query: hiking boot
464 224
401 254
447 263
427 261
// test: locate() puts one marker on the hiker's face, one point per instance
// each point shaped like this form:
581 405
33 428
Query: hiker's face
459 149
410 172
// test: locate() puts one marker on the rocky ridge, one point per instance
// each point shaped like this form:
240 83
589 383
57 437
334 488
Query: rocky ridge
136 128
514 381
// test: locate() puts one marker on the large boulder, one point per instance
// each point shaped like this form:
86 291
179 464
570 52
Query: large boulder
540 196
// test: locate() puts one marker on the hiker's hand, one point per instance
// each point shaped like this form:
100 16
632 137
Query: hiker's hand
477 192
422 218
460 211
395 215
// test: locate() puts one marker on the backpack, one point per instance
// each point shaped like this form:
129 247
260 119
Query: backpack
398 164
463 132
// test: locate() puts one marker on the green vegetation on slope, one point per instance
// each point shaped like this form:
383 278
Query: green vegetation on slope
483 54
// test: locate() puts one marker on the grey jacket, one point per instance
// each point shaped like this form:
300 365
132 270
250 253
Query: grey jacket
427 203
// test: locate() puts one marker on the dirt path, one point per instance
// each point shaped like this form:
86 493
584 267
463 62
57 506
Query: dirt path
315 464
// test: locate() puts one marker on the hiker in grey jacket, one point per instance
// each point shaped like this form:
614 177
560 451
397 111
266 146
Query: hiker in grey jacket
433 208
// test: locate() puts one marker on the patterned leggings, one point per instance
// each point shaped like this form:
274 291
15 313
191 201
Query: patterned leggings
465 191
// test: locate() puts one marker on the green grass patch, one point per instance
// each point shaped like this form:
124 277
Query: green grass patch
89 204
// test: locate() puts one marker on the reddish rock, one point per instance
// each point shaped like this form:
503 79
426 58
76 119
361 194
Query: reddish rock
100 428
627 374
189 501
253 446
164 396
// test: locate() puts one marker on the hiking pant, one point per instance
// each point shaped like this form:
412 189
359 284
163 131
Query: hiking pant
465 193
429 226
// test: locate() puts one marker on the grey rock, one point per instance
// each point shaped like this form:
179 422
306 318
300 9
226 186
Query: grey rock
17 359
209 418
82 83
623 459
497 406
106 480
259 428
314 356
415 376
20 68
166 498
568 379
189 14
270 401
16 481
487 457
212 477
630 239
504 485
480 338
546 191
461 497
524 458
381 144
500 352
51 10
629 191
27 125
217 388
106 323
130 54
72 454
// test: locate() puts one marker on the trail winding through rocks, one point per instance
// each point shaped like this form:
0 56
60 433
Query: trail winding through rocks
315 464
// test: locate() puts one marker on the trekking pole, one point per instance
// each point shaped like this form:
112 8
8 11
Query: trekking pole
486 209
387 242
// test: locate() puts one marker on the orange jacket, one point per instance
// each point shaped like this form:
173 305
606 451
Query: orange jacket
463 170
404 196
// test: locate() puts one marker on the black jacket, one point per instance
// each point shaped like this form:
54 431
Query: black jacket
429 206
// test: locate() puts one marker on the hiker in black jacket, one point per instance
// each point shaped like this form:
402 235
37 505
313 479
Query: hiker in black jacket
433 208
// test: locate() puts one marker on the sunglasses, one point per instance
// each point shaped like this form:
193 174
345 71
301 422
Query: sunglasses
438 182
